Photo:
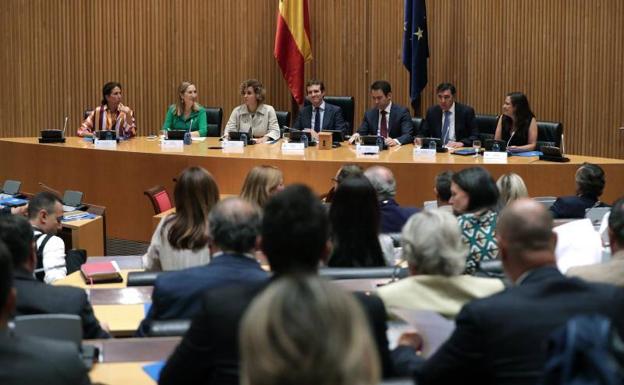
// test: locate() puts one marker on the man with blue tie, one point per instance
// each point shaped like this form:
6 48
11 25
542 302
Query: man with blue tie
319 116
449 120
386 119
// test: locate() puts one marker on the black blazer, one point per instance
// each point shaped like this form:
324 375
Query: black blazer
465 124
501 339
208 353
400 126
332 119
35 297
573 206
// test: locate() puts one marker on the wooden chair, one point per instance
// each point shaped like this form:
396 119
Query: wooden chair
159 198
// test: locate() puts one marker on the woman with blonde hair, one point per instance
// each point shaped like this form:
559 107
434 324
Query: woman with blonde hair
181 239
260 183
186 113
510 187
305 331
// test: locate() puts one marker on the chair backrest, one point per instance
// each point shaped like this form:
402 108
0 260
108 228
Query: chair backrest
549 133
159 198
347 104
66 327
546 201
214 115
101 211
283 119
486 124
417 124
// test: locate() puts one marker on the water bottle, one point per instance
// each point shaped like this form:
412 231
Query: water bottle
304 140
187 138
496 147
380 143
432 145
243 138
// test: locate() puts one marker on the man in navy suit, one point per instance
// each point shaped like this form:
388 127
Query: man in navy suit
449 120
319 116
386 119
234 227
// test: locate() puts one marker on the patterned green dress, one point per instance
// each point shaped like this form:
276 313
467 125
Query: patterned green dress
478 232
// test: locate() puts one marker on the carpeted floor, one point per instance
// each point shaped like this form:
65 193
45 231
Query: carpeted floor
116 246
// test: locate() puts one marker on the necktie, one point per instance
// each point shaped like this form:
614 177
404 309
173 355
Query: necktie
445 126
383 126
317 119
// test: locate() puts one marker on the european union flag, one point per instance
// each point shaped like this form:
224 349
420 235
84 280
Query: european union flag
415 45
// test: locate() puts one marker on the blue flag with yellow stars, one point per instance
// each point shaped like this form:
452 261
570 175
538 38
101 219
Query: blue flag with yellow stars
415 45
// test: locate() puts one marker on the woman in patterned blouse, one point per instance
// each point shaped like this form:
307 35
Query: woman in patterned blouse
474 197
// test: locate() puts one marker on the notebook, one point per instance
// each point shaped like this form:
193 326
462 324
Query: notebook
101 272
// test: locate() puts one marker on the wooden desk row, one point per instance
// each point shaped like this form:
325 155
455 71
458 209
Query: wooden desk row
117 178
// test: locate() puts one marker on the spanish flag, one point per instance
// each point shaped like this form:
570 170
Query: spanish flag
292 44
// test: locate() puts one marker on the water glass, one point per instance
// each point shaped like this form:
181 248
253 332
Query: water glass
476 144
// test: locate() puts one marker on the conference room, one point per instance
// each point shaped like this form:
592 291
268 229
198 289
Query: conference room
186 67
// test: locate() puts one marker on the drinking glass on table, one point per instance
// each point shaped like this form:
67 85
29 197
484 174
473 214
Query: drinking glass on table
476 144
418 143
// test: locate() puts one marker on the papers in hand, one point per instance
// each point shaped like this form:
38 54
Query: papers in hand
432 327
577 244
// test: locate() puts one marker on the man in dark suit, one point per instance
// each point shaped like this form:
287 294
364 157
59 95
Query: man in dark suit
35 297
590 183
28 360
501 339
319 116
449 120
393 216
386 119
234 228
295 239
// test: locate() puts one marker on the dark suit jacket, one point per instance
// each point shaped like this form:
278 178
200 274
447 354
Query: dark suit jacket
36 361
332 119
177 294
35 297
393 216
208 353
573 206
501 339
465 124
400 126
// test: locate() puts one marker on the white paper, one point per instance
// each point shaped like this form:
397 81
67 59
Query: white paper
578 244
432 327
105 144
198 138
293 147
424 152
233 144
366 150
494 157
172 145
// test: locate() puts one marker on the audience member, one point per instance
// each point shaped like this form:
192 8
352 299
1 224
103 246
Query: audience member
510 187
34 297
45 212
112 114
254 117
355 223
442 190
612 271
386 119
260 183
449 120
325 117
295 239
186 114
234 229
346 171
304 331
517 125
436 256
393 216
502 339
181 239
474 197
590 182
32 360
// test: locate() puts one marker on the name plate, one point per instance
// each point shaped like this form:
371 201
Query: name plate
494 157
105 144
289 147
172 145
424 153
367 150
233 144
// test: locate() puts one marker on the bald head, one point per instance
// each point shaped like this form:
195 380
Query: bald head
383 181
234 225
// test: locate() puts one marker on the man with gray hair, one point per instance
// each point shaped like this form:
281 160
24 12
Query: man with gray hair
393 216
234 229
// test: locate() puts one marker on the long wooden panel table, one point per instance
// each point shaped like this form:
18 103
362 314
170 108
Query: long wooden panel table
117 178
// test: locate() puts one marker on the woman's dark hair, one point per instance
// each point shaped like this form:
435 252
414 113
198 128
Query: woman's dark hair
480 187
522 114
590 180
195 195
354 218
108 89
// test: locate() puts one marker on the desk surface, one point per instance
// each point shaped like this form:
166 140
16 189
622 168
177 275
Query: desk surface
120 189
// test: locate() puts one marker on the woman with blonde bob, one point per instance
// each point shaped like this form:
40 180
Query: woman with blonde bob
181 239
436 257
186 114
305 331
260 183
510 187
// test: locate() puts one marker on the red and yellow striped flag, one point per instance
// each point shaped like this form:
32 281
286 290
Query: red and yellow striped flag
292 44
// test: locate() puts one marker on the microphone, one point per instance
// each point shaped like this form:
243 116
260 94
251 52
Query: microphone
190 126
511 136
44 269
117 122
562 144
64 126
